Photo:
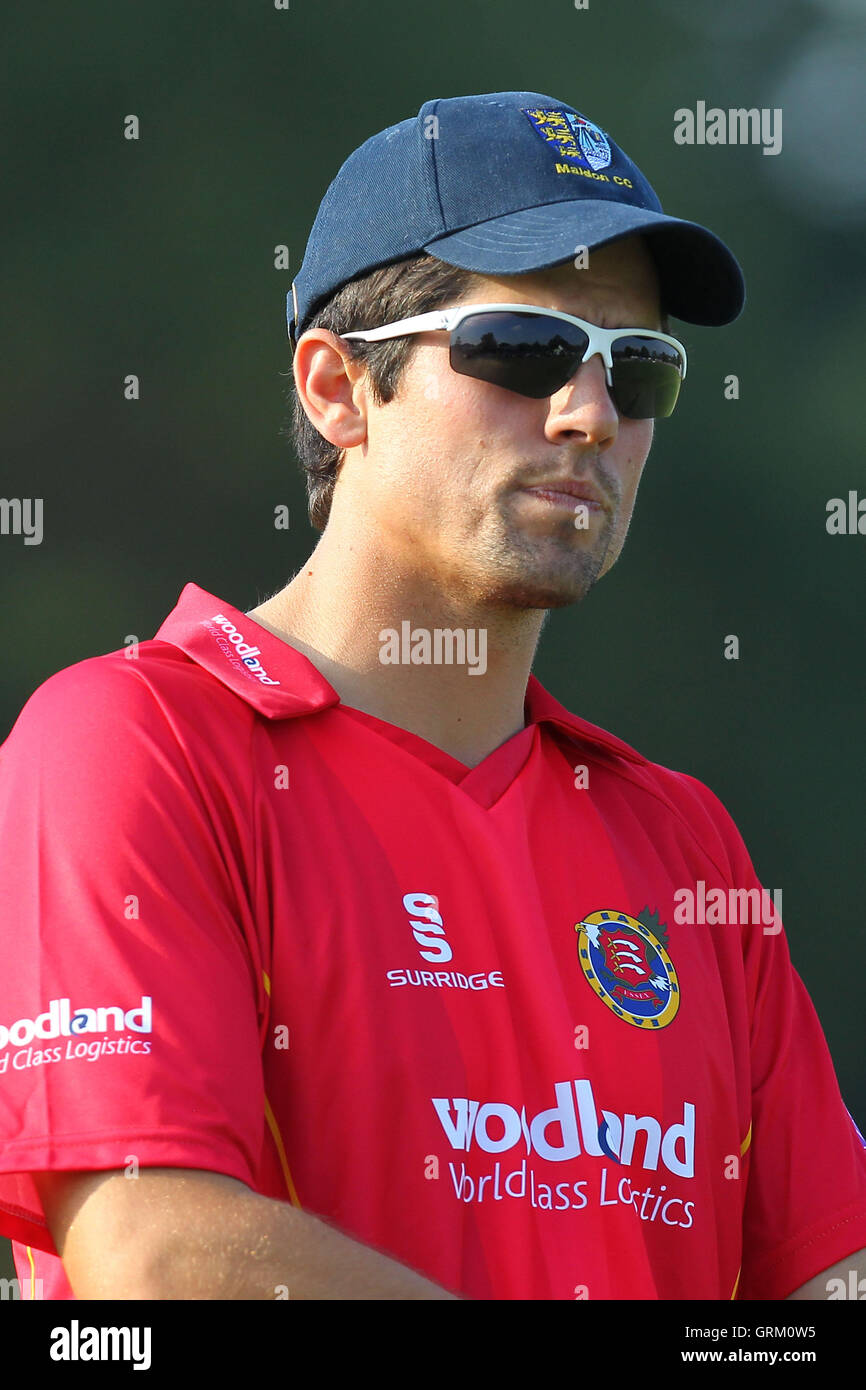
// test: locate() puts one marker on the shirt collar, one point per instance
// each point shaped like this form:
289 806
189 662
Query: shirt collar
276 679
279 682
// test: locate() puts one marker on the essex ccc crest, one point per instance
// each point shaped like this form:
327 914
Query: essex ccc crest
626 964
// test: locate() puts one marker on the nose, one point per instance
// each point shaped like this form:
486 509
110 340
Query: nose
583 407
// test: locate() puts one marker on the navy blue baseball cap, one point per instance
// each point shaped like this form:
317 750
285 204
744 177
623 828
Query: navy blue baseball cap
502 183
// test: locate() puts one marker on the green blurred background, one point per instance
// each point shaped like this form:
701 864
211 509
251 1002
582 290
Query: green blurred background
157 257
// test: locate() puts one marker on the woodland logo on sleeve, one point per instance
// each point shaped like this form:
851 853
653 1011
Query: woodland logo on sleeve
625 962
61 1021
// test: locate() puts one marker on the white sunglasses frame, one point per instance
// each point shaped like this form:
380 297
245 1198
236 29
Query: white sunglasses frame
600 339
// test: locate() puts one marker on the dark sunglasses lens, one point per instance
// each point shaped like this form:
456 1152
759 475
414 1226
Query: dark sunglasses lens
646 377
532 354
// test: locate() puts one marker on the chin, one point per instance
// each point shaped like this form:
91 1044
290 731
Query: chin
523 594
561 588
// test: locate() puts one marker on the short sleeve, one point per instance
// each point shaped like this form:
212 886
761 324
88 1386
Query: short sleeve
805 1164
129 1029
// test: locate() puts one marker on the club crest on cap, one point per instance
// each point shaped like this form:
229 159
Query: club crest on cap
573 137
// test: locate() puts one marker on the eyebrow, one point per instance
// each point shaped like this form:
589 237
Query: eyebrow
622 321
664 321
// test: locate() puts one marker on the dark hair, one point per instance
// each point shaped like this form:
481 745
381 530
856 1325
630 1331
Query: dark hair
396 291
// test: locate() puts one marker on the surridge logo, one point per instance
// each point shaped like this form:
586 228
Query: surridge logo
239 648
566 1130
428 930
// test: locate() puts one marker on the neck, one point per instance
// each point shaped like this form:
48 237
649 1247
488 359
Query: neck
359 617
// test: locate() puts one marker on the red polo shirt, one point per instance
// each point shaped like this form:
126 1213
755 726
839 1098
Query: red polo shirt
503 1023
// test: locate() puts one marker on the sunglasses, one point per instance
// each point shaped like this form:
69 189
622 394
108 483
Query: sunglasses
535 351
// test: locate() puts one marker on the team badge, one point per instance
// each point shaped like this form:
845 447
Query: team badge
626 964
571 136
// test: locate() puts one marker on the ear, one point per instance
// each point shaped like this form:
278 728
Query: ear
331 387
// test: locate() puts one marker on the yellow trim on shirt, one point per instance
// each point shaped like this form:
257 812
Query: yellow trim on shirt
32 1271
284 1163
743 1147
274 1127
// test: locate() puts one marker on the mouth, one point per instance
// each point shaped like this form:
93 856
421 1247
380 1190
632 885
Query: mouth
568 495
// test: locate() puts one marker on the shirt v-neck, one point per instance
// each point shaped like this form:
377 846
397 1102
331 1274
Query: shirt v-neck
280 683
485 783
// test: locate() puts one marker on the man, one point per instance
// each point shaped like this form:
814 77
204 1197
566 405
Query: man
349 960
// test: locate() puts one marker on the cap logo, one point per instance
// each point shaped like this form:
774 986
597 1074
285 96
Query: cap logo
571 136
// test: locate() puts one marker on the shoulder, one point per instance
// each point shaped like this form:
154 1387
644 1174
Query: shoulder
121 718
149 684
661 793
